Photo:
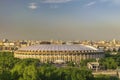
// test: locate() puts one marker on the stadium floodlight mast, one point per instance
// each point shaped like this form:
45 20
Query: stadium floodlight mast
2 34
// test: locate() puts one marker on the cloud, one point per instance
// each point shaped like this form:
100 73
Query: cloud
112 1
116 1
56 1
90 4
33 6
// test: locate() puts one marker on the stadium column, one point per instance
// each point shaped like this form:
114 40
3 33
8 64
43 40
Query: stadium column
88 56
80 56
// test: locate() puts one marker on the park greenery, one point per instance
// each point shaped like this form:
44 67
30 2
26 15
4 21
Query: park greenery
32 69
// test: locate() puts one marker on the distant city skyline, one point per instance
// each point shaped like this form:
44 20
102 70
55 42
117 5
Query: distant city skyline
60 19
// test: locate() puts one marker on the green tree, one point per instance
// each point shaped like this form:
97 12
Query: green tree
71 64
5 74
83 63
30 73
24 65
7 60
108 63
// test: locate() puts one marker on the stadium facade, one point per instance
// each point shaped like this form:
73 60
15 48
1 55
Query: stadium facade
53 53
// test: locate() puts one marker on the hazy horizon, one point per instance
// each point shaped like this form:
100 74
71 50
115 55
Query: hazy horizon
60 19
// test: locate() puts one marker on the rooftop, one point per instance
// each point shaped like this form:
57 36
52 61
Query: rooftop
54 47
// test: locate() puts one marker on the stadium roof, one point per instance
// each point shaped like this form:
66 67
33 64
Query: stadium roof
54 47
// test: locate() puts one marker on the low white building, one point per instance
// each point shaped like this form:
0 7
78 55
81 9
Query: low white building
93 66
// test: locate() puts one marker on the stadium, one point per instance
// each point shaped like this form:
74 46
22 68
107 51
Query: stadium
59 53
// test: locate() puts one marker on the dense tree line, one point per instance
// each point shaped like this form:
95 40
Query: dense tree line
7 60
31 69
110 61
106 77
115 57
